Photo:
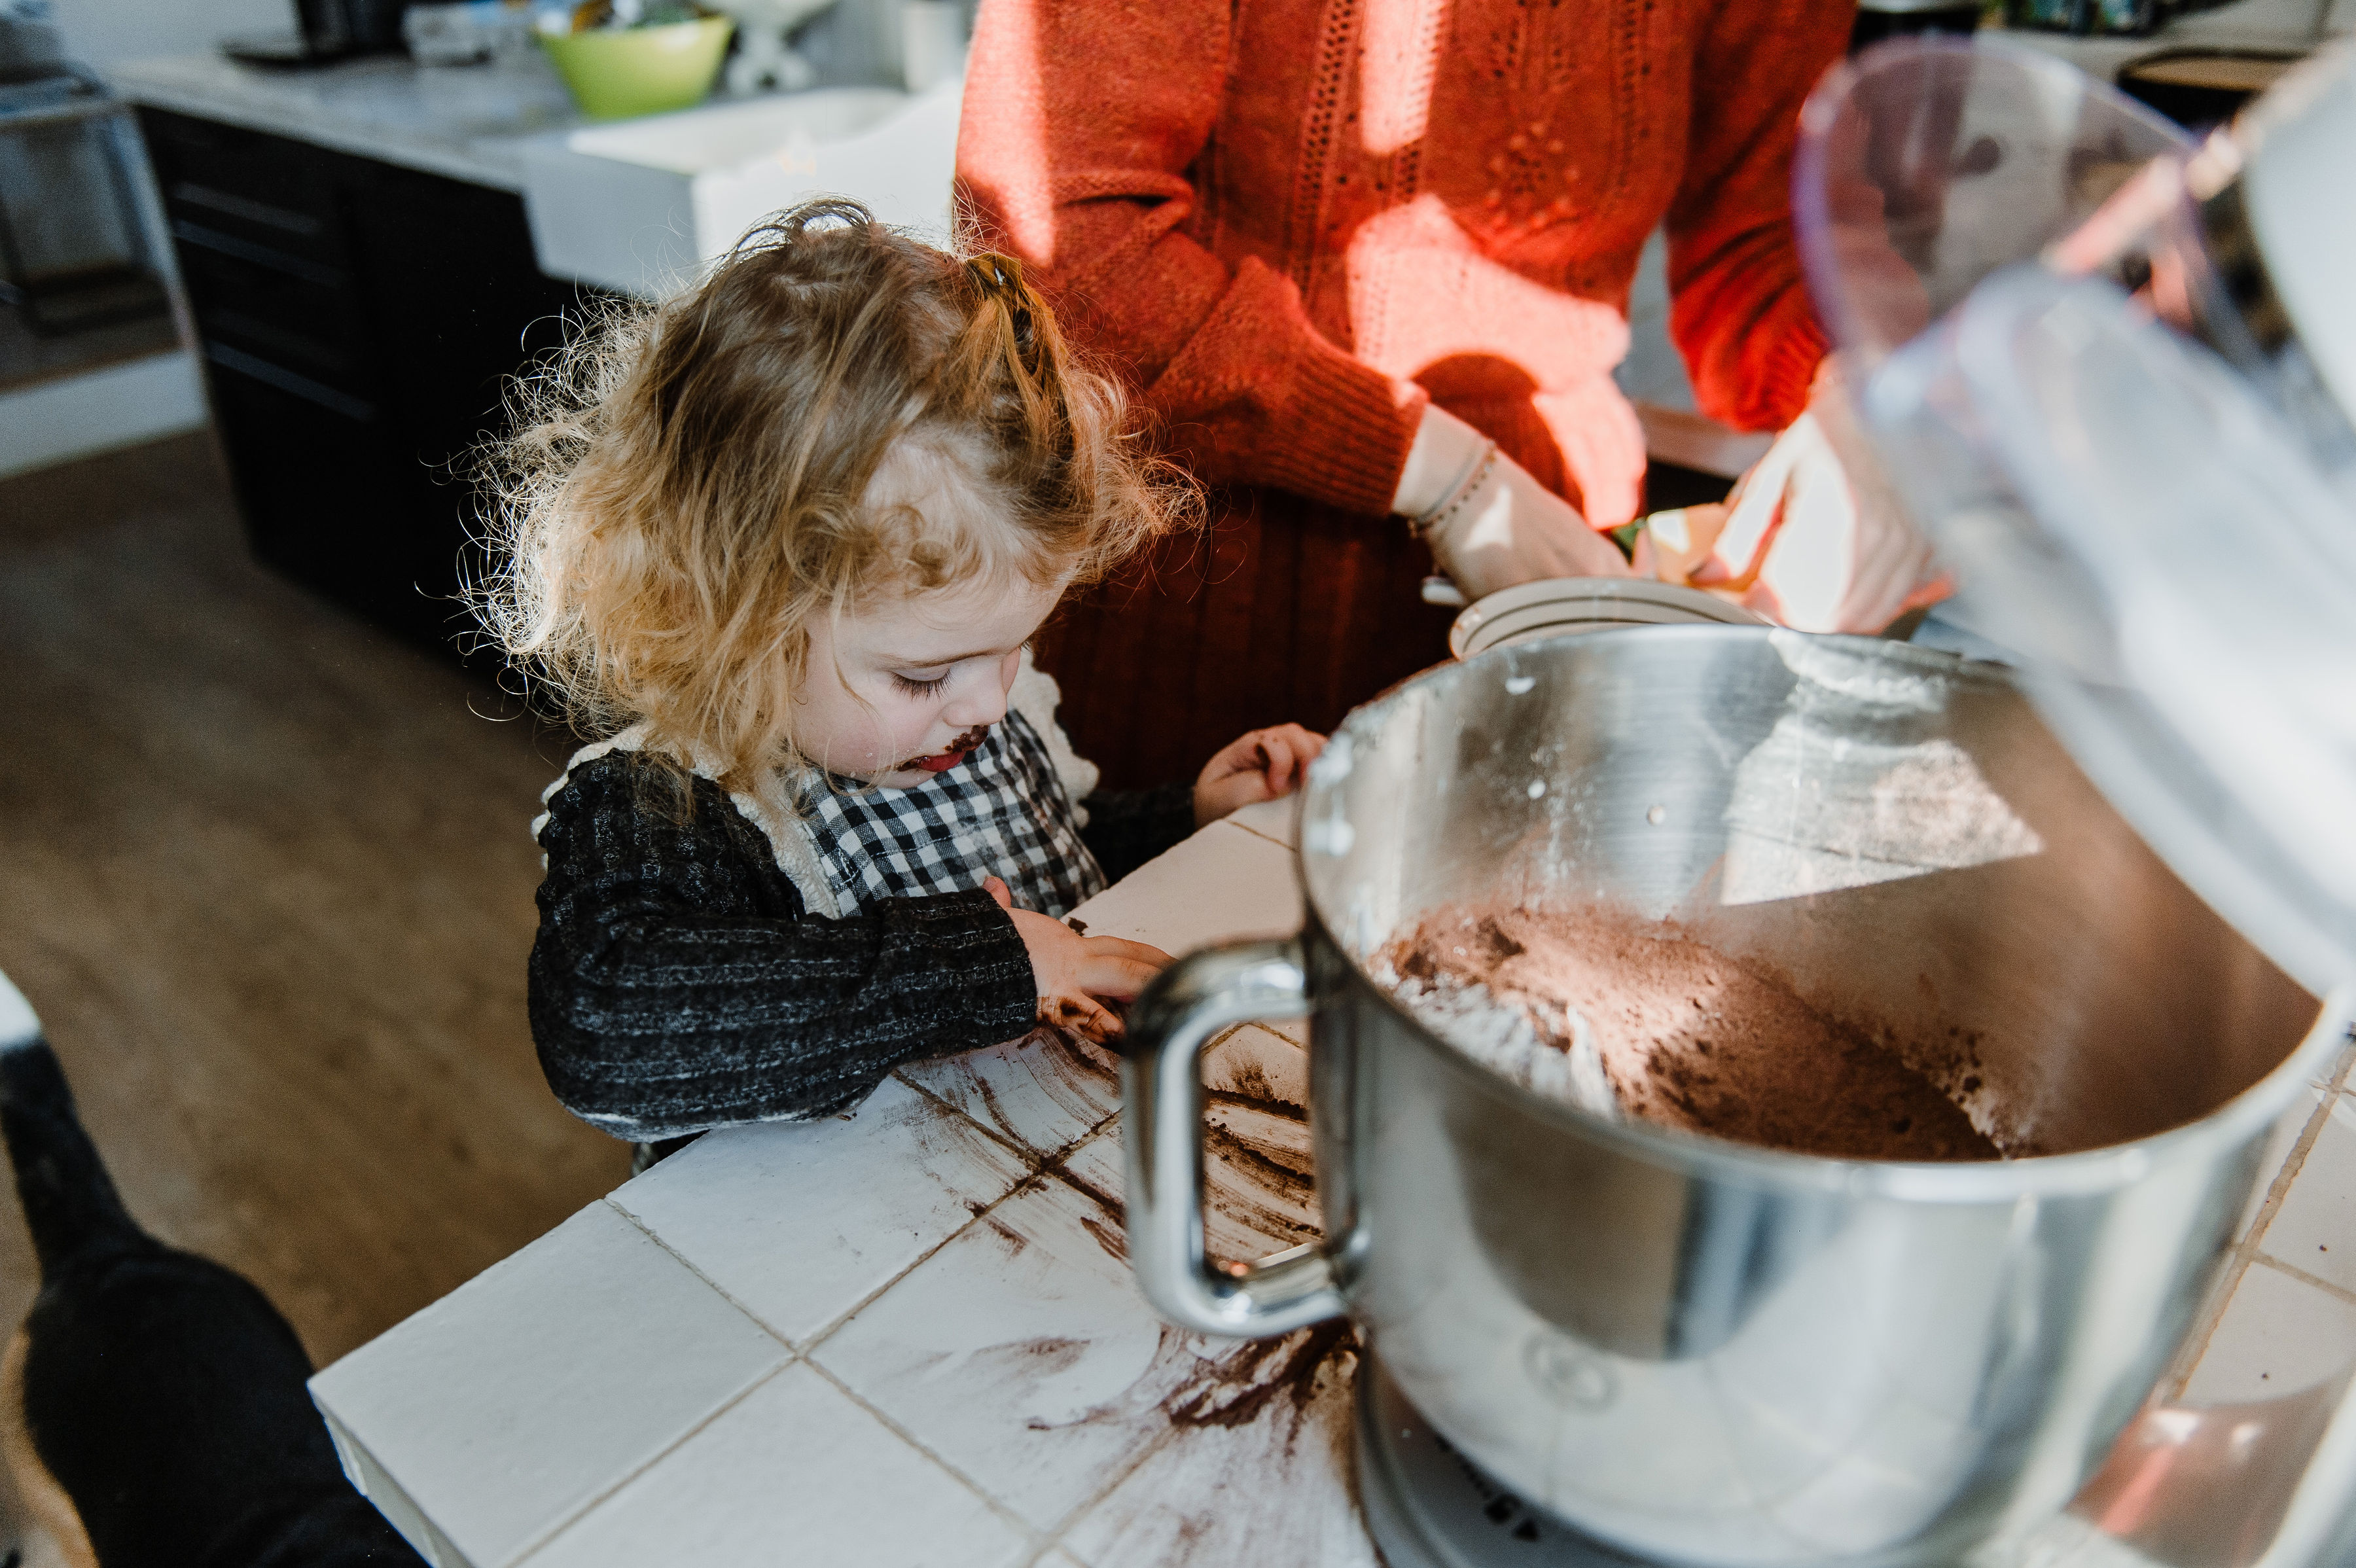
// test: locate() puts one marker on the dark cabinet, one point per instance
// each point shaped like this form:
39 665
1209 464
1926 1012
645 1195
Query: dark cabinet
359 321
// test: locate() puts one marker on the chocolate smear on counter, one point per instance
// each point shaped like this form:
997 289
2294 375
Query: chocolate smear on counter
1262 1165
1263 1373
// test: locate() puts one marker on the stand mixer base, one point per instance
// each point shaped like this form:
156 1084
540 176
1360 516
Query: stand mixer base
1428 1506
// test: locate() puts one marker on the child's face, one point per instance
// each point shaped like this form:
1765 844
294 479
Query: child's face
902 689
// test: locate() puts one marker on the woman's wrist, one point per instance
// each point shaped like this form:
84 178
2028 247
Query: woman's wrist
1445 452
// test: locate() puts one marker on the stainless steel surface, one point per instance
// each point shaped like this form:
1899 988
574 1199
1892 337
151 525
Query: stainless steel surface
1694 1350
1427 1506
1161 1095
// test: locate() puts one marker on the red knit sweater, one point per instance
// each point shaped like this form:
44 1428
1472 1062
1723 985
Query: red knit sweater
1292 221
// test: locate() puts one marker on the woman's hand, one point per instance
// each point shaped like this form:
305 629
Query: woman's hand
1814 537
1073 971
1504 528
1265 765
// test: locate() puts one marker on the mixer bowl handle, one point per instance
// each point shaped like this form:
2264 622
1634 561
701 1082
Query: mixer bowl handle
1162 1119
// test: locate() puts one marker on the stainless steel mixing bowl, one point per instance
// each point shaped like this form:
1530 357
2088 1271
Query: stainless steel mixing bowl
1700 1351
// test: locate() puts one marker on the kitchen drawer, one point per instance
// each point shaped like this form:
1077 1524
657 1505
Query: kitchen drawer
328 502
283 307
358 323
260 189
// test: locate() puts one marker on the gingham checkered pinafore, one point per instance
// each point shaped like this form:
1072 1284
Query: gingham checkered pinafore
1003 811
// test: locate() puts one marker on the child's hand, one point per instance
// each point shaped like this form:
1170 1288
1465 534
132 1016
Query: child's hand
1072 970
1265 765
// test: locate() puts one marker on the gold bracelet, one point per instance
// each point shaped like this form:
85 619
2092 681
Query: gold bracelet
1458 498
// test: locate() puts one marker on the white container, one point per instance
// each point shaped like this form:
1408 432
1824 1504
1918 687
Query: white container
1556 606
643 206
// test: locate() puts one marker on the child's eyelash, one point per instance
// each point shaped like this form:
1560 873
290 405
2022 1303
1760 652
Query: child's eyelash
920 688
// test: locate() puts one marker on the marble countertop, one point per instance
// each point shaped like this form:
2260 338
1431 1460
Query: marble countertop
2266 25
469 121
464 121
910 1335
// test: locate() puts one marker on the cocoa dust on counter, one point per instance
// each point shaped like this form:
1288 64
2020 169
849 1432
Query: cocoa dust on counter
1686 1037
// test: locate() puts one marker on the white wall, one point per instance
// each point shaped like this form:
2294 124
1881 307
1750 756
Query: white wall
100 411
102 32
1654 371
123 404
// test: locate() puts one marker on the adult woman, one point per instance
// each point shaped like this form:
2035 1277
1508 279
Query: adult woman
1341 245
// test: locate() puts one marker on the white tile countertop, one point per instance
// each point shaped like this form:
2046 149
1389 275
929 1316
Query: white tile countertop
467 123
910 1336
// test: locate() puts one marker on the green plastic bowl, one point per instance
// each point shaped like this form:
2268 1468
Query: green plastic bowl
618 72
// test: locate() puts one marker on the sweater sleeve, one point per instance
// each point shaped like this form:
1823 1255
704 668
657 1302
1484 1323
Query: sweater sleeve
678 983
1080 121
1128 827
1739 307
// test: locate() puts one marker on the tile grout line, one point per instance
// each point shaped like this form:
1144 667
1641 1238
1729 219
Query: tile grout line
791 1355
1257 834
1050 1538
974 1216
1034 1165
1064 1526
1003 1140
2195 1345
1037 1168
801 1353
547 1537
1030 1532
1169 1435
2295 1271
718 1289
1041 1162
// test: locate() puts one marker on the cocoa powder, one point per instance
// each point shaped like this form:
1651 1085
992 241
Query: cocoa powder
1688 1038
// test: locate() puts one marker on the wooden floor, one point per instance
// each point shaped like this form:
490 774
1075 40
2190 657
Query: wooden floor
267 877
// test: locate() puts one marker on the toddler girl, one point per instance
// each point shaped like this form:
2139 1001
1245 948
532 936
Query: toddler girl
783 540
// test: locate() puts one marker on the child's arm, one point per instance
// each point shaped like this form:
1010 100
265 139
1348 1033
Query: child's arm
678 982
1077 974
1128 827
1265 765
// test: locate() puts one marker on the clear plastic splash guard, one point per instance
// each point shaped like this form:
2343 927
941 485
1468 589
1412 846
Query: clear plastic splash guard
2110 368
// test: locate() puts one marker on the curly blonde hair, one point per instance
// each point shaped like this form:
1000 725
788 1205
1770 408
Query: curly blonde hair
838 412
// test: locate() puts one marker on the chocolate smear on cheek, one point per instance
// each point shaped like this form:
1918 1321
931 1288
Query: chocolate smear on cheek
970 741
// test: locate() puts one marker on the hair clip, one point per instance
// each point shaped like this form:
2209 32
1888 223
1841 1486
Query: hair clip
1000 278
999 275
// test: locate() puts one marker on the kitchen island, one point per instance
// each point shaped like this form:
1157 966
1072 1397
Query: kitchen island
465 123
360 271
910 1335
371 250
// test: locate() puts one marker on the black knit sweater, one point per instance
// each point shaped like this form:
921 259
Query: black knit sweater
679 982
